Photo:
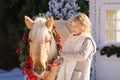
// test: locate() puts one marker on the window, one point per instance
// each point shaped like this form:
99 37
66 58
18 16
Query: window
112 30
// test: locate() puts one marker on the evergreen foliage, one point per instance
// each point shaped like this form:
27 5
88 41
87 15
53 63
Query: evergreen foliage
84 6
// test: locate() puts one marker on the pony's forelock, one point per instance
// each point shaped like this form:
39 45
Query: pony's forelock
39 29
37 19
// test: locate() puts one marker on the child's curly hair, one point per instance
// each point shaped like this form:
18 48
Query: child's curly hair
83 21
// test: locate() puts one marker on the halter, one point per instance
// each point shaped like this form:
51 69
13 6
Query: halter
59 47
50 36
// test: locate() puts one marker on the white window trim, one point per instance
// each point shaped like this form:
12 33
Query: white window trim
95 15
103 10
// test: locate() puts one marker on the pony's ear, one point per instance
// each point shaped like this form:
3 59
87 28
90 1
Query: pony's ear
50 22
29 22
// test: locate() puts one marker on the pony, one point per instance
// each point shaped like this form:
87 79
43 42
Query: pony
43 45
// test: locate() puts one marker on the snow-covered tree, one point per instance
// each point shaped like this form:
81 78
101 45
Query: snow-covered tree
62 9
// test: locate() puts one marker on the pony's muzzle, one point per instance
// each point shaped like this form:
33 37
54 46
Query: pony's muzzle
38 71
38 68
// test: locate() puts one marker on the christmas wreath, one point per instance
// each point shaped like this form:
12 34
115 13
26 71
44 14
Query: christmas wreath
26 63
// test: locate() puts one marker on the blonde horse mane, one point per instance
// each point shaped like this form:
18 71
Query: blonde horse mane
37 30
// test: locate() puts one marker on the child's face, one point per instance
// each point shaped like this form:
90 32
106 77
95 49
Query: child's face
75 28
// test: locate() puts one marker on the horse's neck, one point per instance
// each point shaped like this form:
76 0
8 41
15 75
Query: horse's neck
63 28
53 47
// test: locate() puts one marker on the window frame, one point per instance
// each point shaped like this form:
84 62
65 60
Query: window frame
103 10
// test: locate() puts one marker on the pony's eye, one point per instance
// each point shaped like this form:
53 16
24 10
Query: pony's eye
30 40
47 40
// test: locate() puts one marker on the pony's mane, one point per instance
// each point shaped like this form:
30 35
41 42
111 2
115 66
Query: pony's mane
39 29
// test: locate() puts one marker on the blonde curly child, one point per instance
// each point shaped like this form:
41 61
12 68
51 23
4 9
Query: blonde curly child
78 50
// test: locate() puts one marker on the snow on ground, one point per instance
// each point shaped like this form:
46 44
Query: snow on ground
14 74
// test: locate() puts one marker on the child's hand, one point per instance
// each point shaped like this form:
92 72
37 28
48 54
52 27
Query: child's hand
59 60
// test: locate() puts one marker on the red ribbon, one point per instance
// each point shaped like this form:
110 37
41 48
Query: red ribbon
50 65
31 77
50 37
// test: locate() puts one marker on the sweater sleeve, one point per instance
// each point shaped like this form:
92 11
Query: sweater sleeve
82 54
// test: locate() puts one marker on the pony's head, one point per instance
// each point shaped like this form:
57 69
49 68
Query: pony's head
41 48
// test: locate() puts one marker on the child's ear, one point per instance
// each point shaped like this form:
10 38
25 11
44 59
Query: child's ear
49 23
29 22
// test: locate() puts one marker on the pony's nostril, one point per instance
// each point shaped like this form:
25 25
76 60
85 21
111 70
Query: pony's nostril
35 70
38 71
